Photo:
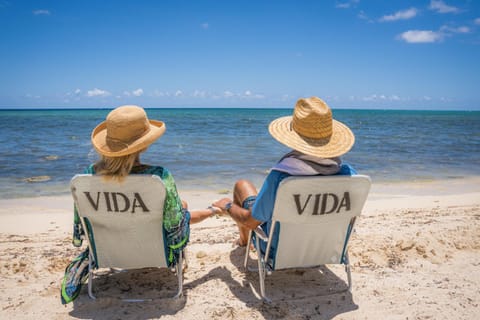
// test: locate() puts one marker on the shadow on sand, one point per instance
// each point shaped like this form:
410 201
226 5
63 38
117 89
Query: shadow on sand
313 293
160 285
316 293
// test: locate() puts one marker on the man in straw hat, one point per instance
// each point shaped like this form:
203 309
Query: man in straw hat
119 140
317 141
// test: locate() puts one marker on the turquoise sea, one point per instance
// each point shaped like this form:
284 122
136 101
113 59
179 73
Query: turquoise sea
209 148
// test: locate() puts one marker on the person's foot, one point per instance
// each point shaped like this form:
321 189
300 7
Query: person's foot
240 242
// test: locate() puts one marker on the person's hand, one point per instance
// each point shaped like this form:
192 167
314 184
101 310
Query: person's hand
221 204
215 210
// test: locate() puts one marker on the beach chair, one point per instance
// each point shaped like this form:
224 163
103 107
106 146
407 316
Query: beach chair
124 223
312 221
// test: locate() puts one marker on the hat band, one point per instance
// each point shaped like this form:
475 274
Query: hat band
117 144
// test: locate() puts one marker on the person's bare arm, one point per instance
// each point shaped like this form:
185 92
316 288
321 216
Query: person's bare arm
197 216
239 214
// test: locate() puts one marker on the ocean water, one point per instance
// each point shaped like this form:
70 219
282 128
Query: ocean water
209 149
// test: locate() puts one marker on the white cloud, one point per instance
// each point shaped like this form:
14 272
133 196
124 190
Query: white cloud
199 94
158 93
342 5
98 93
441 7
362 15
228 94
41 12
138 92
375 97
75 93
28 95
347 4
135 93
421 36
400 15
477 21
202 94
379 97
429 36
449 30
205 25
372 97
248 94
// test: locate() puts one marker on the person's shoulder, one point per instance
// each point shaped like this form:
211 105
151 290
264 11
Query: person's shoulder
157 168
148 169
163 171
347 170
274 174
90 169
275 177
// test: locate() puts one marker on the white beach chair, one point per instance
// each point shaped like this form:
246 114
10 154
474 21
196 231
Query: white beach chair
124 223
314 217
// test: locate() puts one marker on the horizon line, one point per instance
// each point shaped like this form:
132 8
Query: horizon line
4 108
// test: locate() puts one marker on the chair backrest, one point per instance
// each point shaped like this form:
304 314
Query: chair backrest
125 219
314 215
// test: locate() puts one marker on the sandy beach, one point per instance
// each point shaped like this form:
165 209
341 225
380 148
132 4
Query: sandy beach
415 254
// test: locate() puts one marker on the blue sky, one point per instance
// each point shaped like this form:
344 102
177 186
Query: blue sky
352 53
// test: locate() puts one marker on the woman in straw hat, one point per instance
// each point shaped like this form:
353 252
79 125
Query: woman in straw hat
317 141
119 140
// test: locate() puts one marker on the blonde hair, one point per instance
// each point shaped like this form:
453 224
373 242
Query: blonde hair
116 167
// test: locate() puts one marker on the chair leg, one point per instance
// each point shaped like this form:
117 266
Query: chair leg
247 249
185 259
90 277
261 271
347 270
179 270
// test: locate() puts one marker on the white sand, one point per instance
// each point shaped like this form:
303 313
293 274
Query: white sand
415 255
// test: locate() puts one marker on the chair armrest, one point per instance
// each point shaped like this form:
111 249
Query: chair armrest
260 233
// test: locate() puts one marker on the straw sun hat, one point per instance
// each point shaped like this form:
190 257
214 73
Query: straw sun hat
125 131
311 130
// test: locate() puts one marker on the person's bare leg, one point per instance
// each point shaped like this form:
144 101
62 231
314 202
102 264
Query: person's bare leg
241 191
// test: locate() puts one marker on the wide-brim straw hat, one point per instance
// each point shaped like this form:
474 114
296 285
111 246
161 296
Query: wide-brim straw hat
312 130
126 130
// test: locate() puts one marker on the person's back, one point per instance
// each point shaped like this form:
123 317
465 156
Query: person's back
317 141
119 140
